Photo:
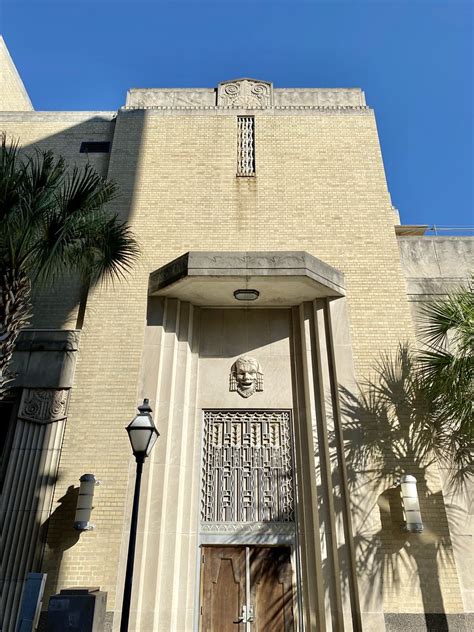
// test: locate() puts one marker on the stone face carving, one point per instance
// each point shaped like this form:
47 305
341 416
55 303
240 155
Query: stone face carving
43 405
245 93
246 376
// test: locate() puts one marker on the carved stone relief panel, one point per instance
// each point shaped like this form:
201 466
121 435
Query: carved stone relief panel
245 93
43 405
153 97
318 97
247 467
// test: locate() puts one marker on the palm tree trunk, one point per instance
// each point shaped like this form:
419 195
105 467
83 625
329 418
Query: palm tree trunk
84 295
15 313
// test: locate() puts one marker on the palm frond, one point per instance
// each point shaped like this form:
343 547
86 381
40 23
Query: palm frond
84 192
453 314
116 250
446 373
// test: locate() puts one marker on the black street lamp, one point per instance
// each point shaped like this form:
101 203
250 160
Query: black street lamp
142 434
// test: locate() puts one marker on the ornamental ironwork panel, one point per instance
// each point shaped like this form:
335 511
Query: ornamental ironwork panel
246 146
247 467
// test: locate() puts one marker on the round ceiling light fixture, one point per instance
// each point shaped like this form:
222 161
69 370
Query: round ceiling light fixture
246 295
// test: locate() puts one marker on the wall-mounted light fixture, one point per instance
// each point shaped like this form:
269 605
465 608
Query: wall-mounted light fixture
84 502
246 295
411 505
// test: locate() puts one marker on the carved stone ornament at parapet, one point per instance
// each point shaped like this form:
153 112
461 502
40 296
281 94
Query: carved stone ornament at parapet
318 97
246 376
43 405
245 93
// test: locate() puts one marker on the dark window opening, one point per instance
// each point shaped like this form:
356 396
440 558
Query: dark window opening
95 147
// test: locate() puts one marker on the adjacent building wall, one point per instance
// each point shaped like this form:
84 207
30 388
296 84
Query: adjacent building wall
13 95
435 267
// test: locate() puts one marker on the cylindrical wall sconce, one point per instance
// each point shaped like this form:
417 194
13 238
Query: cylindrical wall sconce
411 505
84 503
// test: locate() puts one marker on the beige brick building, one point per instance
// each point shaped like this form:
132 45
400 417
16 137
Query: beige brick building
251 498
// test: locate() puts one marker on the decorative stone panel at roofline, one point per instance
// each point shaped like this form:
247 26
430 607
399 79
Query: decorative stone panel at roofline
245 93
346 97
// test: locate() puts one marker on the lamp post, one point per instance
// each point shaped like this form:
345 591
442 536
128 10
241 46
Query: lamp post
142 434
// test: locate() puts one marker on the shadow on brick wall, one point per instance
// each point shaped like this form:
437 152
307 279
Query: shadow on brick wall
61 536
387 433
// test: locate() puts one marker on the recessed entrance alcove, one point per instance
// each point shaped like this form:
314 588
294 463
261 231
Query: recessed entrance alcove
242 484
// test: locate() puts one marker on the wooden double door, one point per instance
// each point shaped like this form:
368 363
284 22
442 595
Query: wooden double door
247 589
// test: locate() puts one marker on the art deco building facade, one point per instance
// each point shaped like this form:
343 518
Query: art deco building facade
257 494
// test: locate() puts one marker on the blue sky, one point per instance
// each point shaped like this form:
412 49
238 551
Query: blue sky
413 59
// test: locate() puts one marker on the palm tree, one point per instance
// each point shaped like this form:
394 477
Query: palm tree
446 365
52 220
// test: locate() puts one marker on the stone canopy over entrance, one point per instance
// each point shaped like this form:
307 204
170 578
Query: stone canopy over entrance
281 278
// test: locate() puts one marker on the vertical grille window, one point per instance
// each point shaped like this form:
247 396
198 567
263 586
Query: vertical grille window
246 146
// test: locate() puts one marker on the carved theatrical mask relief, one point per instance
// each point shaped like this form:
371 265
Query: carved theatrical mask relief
246 376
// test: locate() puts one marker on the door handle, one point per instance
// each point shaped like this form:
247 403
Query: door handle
243 615
246 615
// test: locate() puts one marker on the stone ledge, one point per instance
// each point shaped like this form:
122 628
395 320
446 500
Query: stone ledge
45 358
431 622
46 116
429 289
231 109
48 340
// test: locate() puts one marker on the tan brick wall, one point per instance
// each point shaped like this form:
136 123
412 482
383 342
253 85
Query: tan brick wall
320 187
13 95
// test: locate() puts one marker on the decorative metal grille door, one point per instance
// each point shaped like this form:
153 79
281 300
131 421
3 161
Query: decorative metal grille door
247 470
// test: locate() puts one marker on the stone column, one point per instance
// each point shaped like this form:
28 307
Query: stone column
169 501
27 492
44 362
